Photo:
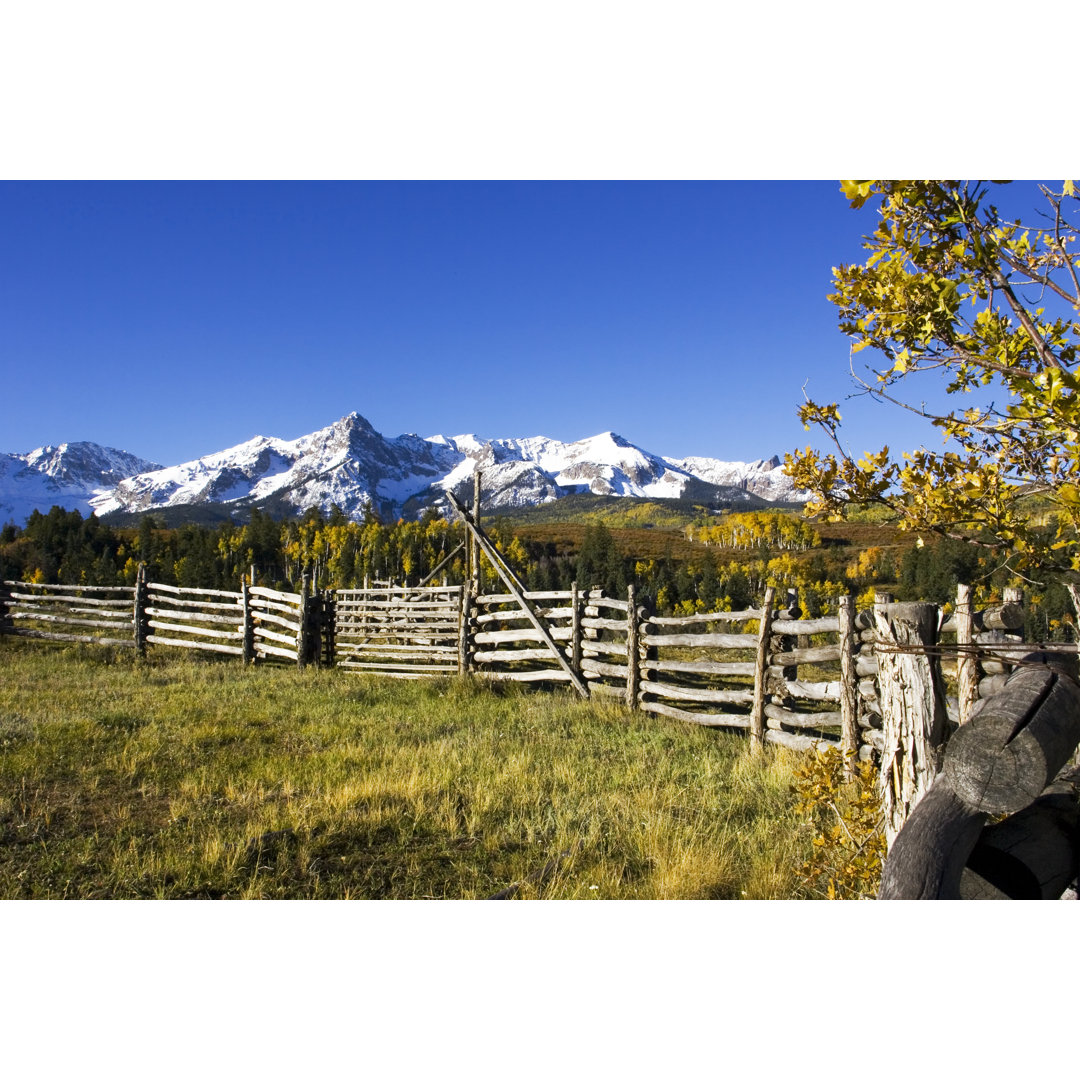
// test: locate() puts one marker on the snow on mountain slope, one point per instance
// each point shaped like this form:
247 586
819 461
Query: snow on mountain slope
764 478
351 465
69 475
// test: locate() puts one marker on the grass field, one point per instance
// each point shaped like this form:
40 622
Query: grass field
174 778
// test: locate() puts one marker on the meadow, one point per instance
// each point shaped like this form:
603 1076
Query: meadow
174 778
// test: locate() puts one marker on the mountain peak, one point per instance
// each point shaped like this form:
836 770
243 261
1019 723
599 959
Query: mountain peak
350 464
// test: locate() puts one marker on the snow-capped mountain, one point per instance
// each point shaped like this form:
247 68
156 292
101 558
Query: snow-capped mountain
68 475
764 478
351 465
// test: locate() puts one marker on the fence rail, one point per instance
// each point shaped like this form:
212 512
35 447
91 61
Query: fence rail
802 683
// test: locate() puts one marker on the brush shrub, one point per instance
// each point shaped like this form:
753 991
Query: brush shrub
845 818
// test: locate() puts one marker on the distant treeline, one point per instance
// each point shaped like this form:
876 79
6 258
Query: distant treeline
728 567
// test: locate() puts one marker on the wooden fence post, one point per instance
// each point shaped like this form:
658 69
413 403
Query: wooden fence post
248 627
967 664
575 628
474 544
464 635
849 691
633 669
139 616
912 697
761 664
302 632
328 629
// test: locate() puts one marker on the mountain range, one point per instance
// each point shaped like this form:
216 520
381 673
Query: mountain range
353 466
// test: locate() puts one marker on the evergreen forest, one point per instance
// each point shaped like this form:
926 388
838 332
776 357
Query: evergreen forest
719 563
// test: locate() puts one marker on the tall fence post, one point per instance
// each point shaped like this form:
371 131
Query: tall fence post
912 696
464 635
248 626
849 690
302 632
633 669
328 627
138 615
575 628
967 663
761 663
474 543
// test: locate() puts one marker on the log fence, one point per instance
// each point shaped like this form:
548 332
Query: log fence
800 683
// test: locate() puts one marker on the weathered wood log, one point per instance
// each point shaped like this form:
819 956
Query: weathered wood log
201 631
728 720
385 591
866 667
1032 855
247 625
699 693
848 694
796 719
466 627
991 685
67 620
927 858
596 597
912 697
119 603
184 643
809 691
873 737
176 590
795 741
761 663
260 634
501 637
701 667
275 620
520 616
506 656
711 617
592 667
102 613
194 616
701 641
828 624
203 605
493 599
45 635
818 654
1003 758
263 593
127 590
616 625
967 666
633 674
607 648
260 604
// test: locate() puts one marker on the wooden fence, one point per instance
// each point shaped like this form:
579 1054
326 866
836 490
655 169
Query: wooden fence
801 683
395 631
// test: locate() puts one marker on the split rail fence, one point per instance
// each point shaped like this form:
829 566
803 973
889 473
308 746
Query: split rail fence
802 683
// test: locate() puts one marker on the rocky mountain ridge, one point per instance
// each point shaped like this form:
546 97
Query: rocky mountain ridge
352 465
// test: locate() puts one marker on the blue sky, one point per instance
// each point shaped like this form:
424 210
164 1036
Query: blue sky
174 319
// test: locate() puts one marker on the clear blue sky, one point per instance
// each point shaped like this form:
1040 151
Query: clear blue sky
175 319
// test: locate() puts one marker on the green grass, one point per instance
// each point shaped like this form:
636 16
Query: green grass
174 778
